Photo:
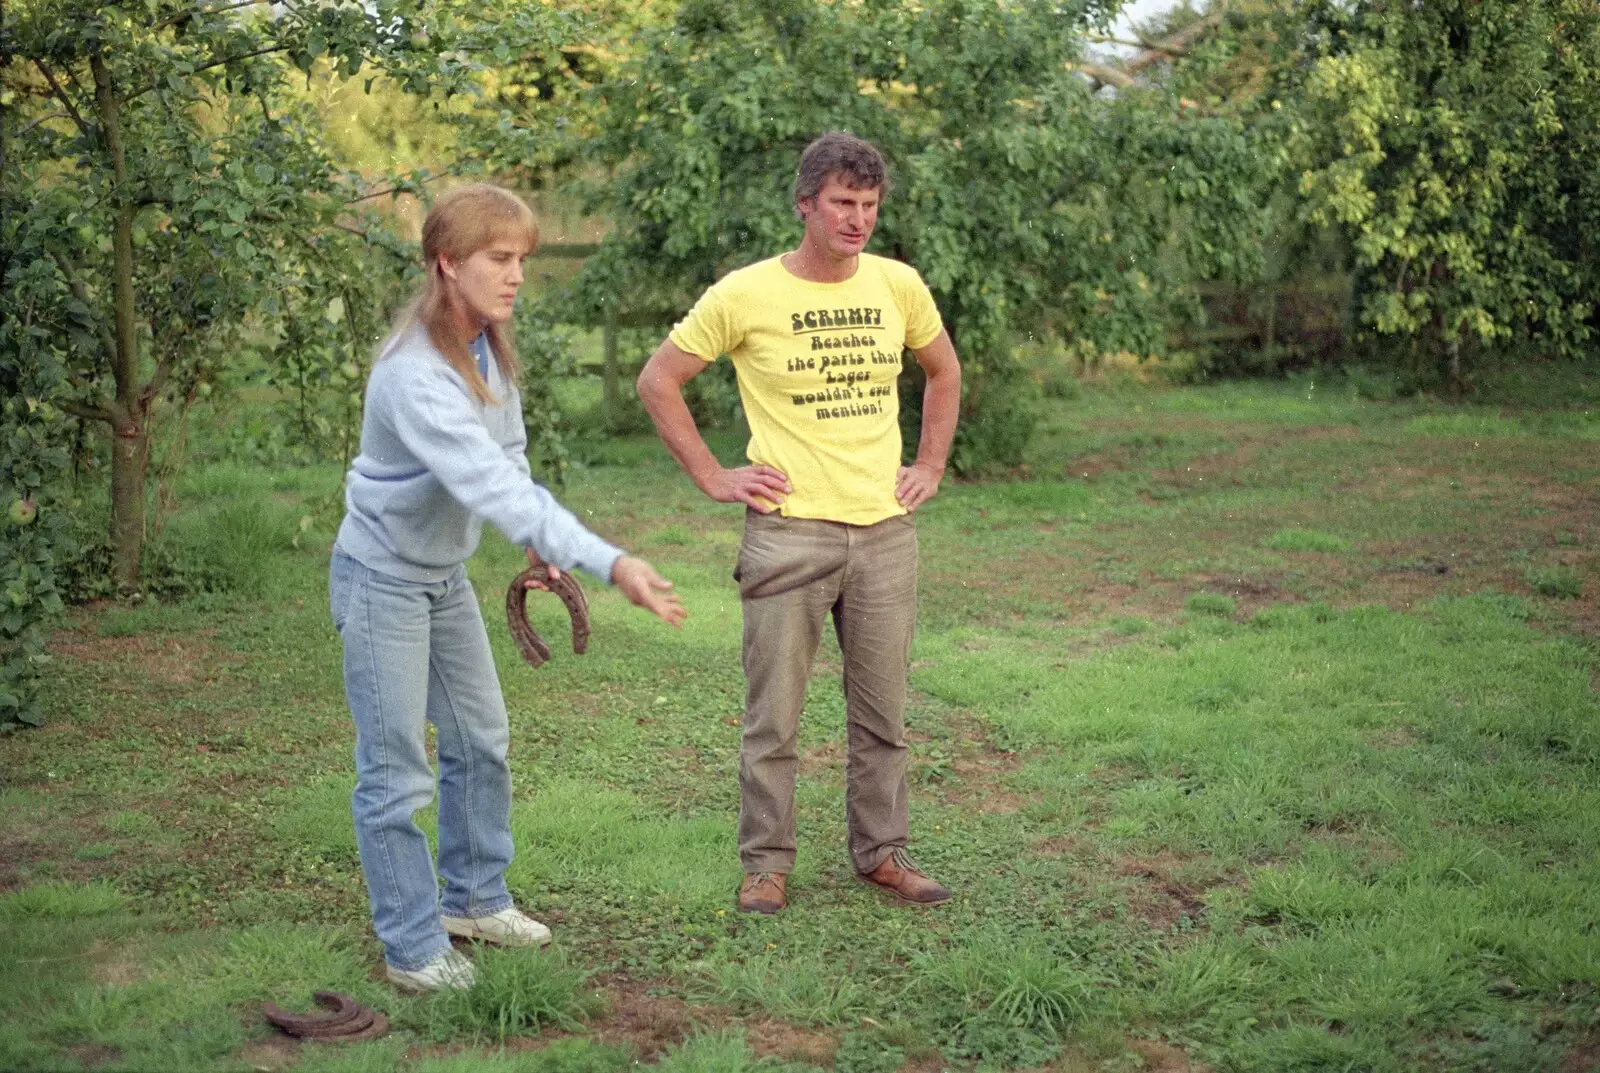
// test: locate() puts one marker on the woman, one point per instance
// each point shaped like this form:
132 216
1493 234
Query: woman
442 450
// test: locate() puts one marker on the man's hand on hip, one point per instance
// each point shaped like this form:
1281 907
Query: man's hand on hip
759 487
645 588
916 484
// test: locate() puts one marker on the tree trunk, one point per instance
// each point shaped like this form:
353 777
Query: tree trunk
129 432
610 390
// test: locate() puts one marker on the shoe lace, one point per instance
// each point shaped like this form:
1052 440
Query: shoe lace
764 877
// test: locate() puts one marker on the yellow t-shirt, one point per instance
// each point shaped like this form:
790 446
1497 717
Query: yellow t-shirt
817 365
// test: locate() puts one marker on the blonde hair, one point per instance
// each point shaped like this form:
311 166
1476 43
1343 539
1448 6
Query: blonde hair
463 221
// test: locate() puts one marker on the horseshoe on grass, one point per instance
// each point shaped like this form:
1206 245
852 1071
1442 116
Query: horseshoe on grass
348 1021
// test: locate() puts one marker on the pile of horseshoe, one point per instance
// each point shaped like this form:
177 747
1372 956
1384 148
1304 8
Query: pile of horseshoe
347 1022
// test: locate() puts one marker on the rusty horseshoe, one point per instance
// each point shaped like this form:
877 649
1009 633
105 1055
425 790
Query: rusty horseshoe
348 1022
533 647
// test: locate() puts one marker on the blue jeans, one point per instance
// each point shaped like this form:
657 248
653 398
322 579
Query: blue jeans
416 651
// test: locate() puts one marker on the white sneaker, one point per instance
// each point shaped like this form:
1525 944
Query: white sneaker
509 927
450 969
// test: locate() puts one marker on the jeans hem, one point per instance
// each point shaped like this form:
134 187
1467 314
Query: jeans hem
393 964
474 912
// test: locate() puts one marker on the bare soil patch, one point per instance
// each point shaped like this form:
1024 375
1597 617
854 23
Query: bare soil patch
1160 1057
1250 592
1169 890
94 1055
978 767
13 854
792 1044
117 965
1583 1056
651 1024
1061 846
173 659
648 1024
825 758
270 1053
1393 738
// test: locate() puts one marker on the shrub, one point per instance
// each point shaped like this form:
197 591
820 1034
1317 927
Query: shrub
227 548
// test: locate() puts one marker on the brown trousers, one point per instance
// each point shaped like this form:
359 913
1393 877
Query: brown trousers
792 572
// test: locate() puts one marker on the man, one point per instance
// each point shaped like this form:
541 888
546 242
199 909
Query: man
816 337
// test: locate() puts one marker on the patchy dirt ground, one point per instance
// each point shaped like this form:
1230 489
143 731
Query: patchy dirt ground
1424 518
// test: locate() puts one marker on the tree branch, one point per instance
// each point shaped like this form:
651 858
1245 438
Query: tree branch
49 76
1175 45
142 90
1178 42
391 190
1106 76
185 16
44 119
88 413
1104 39
242 56
158 379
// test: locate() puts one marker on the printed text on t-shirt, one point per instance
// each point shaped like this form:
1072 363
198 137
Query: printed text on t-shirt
855 317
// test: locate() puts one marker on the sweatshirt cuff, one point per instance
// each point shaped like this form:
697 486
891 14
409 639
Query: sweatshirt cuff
602 562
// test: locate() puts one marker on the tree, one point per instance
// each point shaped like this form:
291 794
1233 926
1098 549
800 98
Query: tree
169 199
185 198
1457 146
1031 206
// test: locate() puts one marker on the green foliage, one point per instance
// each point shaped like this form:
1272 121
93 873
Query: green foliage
1454 145
1306 540
546 350
518 993
1210 603
1005 1000
229 546
36 530
1000 415
722 1051
867 1052
60 901
1028 204
808 994
561 1056
1562 582
174 213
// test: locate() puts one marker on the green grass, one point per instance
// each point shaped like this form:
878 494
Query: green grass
1558 581
1306 540
1234 726
517 993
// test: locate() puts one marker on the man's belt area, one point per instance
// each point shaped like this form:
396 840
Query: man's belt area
529 643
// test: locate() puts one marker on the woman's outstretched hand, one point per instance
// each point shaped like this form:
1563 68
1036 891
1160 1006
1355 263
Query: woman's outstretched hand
645 588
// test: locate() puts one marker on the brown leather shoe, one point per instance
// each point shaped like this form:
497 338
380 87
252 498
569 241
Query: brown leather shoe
763 892
904 880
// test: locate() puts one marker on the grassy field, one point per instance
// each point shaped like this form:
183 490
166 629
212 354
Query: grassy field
1254 727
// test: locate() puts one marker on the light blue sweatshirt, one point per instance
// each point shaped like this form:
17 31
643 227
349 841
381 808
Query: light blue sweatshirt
435 464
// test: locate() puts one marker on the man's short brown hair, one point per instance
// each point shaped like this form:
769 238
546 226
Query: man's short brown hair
856 162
